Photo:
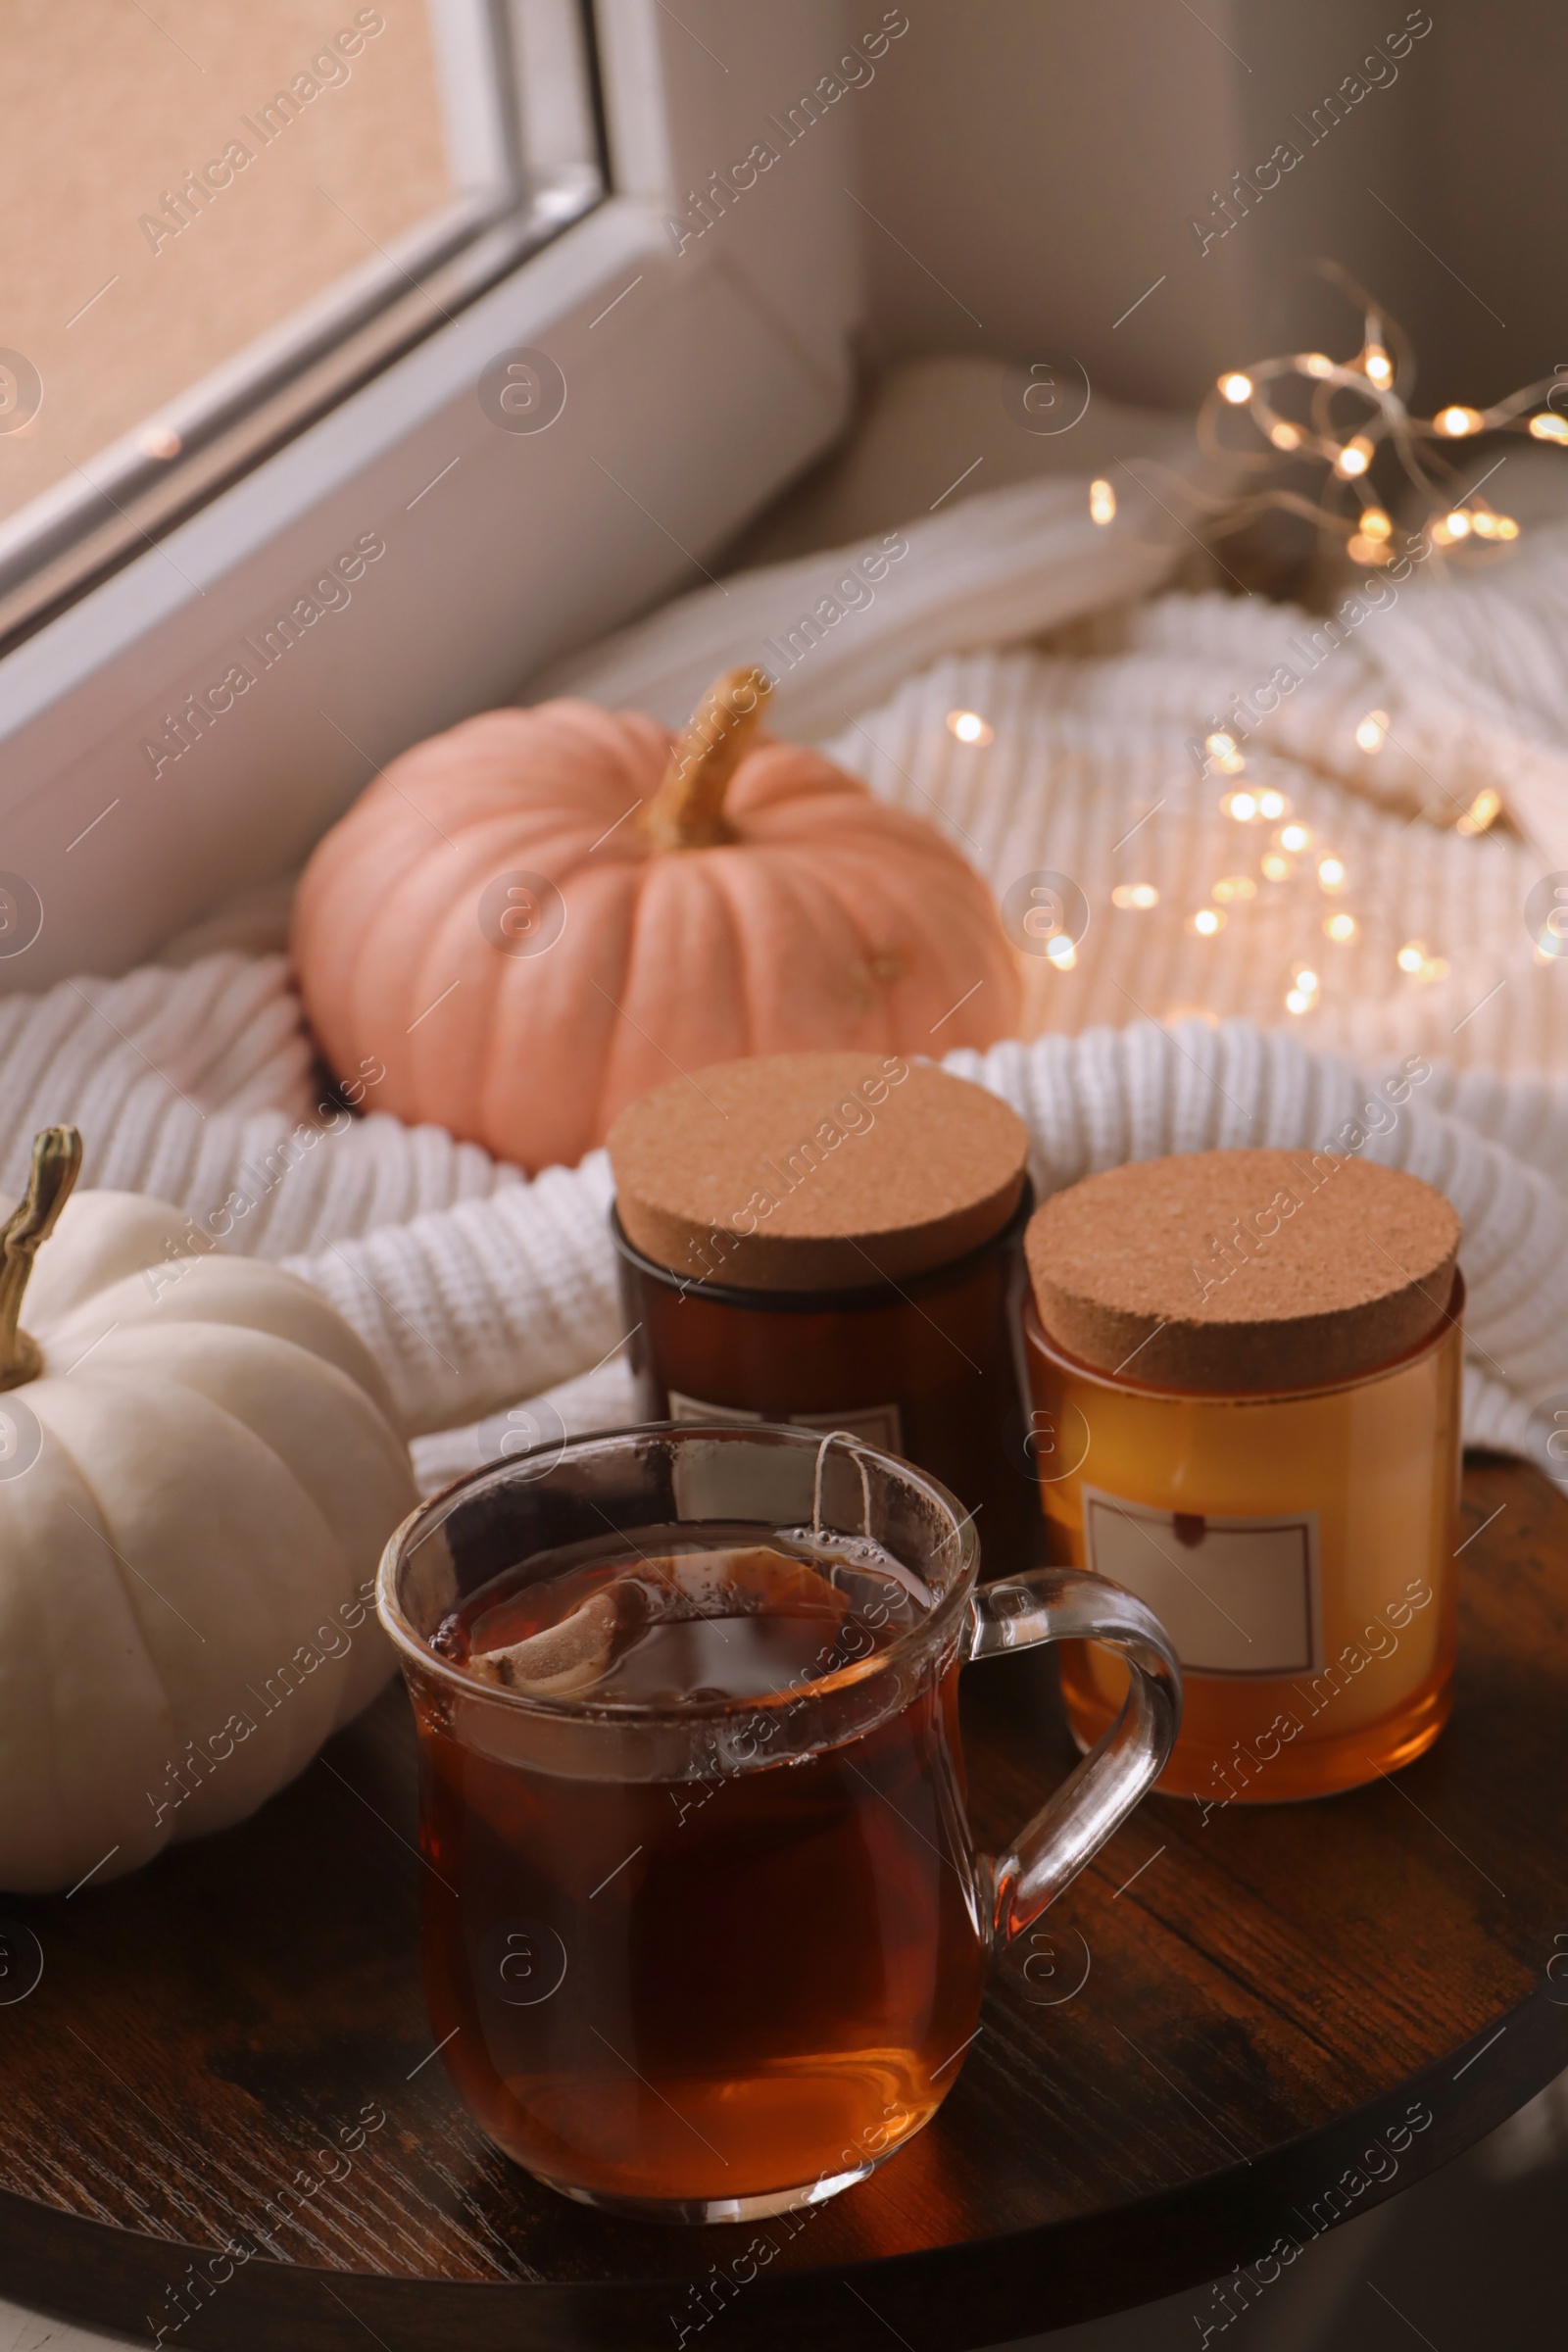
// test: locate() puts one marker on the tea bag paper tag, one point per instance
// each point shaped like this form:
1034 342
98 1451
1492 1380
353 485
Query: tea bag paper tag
877 1424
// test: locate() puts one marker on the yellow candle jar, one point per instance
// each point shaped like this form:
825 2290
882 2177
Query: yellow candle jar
1245 1370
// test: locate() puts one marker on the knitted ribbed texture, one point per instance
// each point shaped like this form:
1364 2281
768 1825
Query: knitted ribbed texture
473 1288
490 1300
1091 771
987 571
1089 776
498 1298
196 1086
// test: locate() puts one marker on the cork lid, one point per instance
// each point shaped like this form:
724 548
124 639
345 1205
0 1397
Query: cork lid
1232 1271
815 1171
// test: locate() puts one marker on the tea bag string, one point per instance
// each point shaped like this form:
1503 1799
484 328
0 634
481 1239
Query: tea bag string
816 1485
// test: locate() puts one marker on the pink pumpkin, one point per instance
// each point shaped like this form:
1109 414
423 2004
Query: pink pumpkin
543 915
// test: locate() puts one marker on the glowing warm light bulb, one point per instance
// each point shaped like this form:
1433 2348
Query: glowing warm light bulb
1378 366
1307 981
1295 838
1375 524
1243 805
1314 363
1457 421
1340 927
1208 920
1297 1001
1373 729
1062 954
1234 886
1547 425
1135 893
1102 502
1220 744
1483 809
1362 550
969 726
1412 957
1275 867
1273 804
1456 524
1507 528
1330 873
1354 458
1284 434
1235 388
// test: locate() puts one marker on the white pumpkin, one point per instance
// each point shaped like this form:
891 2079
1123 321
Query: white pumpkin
198 1470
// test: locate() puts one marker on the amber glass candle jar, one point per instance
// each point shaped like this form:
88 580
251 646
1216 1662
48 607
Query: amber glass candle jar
834 1241
1245 1370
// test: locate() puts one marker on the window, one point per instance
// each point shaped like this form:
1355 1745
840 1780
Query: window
332 395
237 212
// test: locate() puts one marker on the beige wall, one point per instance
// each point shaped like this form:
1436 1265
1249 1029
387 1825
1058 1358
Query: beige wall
1030 165
1043 161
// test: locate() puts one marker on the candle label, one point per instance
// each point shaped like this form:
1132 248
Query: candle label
874 1424
1237 1597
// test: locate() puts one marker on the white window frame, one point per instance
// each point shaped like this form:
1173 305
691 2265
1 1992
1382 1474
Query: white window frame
697 382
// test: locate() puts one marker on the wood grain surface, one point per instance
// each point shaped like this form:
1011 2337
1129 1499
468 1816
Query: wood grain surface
1234 2031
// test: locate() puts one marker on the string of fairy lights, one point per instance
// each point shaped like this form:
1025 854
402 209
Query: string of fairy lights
1352 419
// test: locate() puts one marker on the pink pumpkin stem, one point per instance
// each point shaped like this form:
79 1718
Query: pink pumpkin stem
687 811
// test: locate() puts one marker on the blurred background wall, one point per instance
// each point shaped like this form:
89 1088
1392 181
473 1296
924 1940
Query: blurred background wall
1046 161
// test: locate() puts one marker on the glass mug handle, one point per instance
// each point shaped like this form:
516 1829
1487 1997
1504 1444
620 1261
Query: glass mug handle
1066 1604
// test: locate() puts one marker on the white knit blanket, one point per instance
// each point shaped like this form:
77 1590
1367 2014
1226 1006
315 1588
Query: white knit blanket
474 1288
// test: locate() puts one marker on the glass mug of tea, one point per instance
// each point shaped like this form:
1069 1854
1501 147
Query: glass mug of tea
704 1931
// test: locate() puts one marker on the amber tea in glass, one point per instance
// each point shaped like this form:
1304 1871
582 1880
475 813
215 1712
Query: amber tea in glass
704 1931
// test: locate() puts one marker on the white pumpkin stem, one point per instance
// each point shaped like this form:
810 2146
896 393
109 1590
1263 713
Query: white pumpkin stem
55 1165
687 813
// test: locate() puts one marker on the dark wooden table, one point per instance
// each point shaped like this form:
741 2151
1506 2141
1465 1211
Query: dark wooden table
1236 2031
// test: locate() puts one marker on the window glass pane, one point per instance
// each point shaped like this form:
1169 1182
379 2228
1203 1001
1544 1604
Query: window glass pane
193 178
217 194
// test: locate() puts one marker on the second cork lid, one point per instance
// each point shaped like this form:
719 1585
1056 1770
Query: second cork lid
815 1171
1235 1271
